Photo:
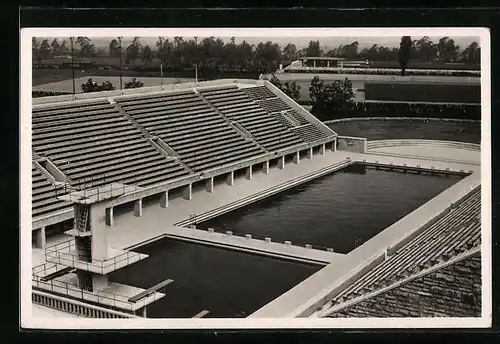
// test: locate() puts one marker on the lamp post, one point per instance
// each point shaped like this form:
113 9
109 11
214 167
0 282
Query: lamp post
120 42
196 73
72 65
161 75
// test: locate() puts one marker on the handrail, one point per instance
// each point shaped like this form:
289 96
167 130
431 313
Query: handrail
73 290
54 251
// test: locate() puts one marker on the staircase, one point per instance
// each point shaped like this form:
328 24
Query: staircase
232 123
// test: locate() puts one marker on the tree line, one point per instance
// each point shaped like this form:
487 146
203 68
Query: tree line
211 52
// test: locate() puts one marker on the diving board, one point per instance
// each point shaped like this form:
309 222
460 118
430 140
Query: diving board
150 290
201 314
56 274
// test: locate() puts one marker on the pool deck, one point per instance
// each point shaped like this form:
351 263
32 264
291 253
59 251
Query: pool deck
156 222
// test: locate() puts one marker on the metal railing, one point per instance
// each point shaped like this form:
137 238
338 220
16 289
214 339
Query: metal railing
93 188
62 254
44 269
97 296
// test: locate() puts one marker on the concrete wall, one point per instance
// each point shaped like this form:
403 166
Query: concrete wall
351 144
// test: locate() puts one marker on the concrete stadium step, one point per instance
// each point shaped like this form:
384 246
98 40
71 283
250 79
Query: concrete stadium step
166 109
192 148
218 154
159 101
205 128
166 120
83 141
214 132
205 138
120 164
203 123
110 126
77 138
113 159
74 118
75 151
240 155
81 160
54 113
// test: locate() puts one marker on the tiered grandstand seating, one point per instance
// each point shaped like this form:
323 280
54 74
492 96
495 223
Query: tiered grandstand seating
237 106
274 105
298 117
309 133
259 92
92 143
288 123
456 232
43 193
192 128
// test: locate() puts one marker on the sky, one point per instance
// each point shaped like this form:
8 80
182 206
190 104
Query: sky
300 42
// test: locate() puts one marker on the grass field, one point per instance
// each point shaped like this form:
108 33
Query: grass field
377 87
43 76
421 92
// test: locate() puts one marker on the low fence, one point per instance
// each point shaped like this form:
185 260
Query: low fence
382 71
407 142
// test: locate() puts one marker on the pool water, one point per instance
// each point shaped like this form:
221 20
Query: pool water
229 284
338 211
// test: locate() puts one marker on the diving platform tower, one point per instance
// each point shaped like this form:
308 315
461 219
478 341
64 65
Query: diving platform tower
82 264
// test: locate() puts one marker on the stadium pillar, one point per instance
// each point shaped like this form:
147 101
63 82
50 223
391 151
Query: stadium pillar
100 282
142 312
266 167
248 172
310 153
230 178
210 184
322 149
188 192
164 199
334 146
40 238
109 216
296 157
138 208
281 162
